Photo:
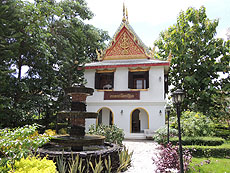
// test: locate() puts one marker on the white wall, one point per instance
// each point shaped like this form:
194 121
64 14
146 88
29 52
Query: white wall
152 100
155 92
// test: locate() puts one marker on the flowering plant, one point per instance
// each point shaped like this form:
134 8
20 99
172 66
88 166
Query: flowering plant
168 159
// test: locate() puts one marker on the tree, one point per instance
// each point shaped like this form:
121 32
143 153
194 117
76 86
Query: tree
197 57
50 39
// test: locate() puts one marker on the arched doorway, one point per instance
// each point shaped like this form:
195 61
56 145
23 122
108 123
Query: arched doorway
139 120
105 116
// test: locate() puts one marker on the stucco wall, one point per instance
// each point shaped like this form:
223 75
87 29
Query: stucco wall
151 102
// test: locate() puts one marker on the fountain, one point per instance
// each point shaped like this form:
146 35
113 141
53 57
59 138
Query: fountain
77 142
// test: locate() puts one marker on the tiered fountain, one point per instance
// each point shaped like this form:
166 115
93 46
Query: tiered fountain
77 142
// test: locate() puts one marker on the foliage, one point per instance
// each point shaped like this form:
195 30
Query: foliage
161 134
192 41
206 141
98 168
108 165
168 158
33 164
125 160
203 165
50 132
48 40
195 124
20 142
222 131
112 133
71 166
80 165
61 164
222 151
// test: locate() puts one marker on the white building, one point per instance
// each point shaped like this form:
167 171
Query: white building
130 85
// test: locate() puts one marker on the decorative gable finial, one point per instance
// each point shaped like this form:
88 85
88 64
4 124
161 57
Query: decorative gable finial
127 15
124 18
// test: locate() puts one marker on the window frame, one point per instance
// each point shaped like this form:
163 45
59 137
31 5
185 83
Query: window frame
98 79
133 76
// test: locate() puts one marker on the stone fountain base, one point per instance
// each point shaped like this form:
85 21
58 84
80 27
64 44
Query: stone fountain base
67 142
91 152
77 143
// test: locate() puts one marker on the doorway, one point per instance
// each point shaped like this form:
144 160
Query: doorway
105 116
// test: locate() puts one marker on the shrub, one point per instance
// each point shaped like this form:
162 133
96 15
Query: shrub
20 142
112 133
161 134
125 159
104 164
223 133
33 164
210 141
222 151
195 124
168 158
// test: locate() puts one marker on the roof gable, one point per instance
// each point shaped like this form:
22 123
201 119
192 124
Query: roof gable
125 45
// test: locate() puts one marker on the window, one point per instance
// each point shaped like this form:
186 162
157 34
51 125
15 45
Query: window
139 80
104 81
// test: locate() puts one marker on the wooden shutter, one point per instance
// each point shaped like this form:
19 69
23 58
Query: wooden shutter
112 78
97 81
147 79
130 80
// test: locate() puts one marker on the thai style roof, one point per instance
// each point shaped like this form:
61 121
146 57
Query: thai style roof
126 63
125 49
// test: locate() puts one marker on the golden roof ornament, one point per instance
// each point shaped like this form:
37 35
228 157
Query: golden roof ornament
125 14
99 55
169 57
124 18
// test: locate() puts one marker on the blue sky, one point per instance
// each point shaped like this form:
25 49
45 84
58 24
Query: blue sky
149 17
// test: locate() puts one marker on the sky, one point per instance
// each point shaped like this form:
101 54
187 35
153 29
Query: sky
150 17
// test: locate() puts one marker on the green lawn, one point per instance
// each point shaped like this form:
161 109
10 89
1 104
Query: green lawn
216 165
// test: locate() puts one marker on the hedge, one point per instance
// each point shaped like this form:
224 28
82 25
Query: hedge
222 151
223 133
206 141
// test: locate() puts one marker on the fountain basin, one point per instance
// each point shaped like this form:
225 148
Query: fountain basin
71 141
90 153
77 114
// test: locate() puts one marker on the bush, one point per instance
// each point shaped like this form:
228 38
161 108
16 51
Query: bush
33 164
161 134
210 141
103 164
223 133
168 158
20 142
222 151
112 133
195 124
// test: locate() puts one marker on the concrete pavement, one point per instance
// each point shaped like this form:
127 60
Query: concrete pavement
144 151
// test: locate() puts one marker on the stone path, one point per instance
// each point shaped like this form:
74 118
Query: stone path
144 151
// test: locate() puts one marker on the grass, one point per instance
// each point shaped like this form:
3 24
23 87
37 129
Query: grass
216 165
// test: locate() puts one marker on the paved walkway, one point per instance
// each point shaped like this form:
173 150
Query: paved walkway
144 151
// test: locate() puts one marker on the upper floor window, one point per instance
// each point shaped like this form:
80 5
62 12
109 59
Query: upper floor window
138 80
104 81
